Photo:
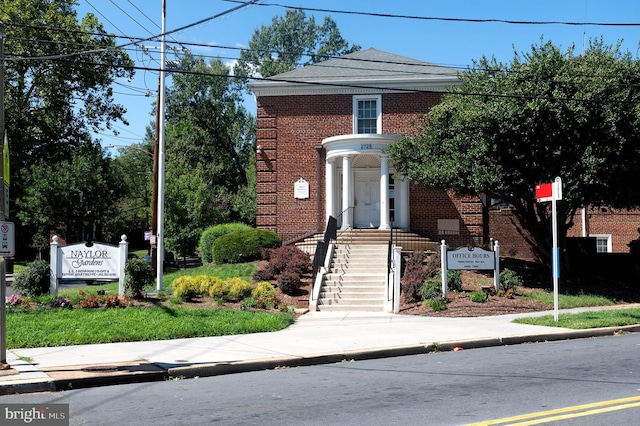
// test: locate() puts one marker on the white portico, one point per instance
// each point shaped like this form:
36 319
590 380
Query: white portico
361 190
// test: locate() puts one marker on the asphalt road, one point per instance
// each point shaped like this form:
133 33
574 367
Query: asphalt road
449 388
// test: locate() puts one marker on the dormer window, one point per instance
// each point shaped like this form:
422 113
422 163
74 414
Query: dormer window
367 114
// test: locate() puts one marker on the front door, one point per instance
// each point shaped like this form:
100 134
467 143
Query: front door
367 199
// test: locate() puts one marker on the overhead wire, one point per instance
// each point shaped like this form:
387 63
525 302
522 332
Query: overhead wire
446 19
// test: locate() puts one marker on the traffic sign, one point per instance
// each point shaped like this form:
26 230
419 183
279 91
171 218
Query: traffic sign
7 239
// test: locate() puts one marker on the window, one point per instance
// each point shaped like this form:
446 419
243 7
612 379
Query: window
603 243
367 114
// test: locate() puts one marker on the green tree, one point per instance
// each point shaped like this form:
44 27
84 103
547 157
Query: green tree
133 166
548 113
74 196
280 47
210 139
58 76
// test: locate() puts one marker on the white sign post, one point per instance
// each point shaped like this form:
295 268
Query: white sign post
553 192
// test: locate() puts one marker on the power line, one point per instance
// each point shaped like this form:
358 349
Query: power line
382 88
434 18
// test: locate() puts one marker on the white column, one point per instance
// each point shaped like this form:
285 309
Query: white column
329 171
402 203
346 193
384 192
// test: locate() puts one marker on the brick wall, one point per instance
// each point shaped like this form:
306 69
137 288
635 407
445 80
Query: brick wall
621 224
290 128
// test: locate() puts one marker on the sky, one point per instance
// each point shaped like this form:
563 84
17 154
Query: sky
446 40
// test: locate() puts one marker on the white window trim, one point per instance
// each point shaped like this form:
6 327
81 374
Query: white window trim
378 99
608 238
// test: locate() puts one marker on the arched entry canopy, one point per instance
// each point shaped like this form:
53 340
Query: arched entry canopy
360 188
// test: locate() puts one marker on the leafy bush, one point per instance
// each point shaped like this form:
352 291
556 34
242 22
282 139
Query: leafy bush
61 302
186 287
413 277
138 277
15 301
218 288
286 265
238 289
264 294
113 301
91 302
437 304
454 280
34 280
243 246
509 280
289 281
431 289
478 297
249 303
214 232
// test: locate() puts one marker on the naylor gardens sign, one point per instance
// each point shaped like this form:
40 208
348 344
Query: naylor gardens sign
88 261
470 258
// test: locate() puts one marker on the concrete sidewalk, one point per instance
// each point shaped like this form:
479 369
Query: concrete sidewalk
315 338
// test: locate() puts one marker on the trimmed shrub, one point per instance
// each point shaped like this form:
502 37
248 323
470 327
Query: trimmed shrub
218 288
238 288
243 246
454 280
509 280
186 288
431 289
264 294
138 276
212 233
34 280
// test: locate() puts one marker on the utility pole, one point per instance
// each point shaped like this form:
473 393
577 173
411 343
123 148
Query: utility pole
3 214
160 216
154 193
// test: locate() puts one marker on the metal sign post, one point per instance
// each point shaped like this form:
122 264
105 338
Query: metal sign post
553 192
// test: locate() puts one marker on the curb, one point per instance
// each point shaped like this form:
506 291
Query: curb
76 378
217 369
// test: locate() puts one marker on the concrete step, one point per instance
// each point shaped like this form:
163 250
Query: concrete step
353 302
339 287
352 308
356 279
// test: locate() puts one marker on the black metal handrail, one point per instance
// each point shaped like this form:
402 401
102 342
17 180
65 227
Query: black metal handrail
330 233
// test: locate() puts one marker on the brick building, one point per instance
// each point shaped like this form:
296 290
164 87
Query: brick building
321 139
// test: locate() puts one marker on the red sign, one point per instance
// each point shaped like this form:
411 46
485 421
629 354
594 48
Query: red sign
544 192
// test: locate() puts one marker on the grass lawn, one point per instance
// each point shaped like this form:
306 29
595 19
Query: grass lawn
45 326
566 301
584 320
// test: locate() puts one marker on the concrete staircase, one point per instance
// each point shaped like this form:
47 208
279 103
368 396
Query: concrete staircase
357 277
356 280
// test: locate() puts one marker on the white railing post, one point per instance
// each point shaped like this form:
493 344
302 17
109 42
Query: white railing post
496 271
397 260
124 252
443 268
53 266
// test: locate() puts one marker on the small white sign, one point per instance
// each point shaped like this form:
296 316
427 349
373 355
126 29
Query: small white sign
7 239
301 189
471 258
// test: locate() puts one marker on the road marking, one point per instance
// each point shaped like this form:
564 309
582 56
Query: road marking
565 413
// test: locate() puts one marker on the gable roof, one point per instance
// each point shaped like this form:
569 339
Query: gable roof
357 72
